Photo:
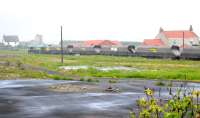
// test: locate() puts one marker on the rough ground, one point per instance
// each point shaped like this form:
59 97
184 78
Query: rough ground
72 99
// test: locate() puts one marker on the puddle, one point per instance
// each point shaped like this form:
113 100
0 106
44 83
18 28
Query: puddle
73 67
99 68
29 83
101 106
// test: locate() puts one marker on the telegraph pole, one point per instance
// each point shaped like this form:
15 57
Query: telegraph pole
61 45
183 39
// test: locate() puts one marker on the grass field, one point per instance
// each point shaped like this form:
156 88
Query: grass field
149 68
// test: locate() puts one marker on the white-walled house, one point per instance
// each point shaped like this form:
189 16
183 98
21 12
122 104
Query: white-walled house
180 38
10 40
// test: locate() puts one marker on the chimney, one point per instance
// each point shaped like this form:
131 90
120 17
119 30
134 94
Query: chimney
191 28
161 30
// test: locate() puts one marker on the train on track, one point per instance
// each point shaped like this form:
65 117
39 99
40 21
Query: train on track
174 52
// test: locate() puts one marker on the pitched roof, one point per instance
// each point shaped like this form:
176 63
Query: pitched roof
179 34
101 42
153 42
10 38
185 46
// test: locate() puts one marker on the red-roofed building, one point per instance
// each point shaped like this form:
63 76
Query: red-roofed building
179 34
181 38
102 43
153 42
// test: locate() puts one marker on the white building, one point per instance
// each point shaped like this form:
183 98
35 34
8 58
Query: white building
10 40
180 38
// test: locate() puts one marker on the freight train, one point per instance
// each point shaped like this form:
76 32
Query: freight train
174 52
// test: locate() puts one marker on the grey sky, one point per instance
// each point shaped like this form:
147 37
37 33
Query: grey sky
132 20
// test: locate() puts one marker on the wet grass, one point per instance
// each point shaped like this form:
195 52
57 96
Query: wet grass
10 72
16 70
148 68
17 73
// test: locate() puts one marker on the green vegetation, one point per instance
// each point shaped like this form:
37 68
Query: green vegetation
112 81
59 77
16 70
90 80
10 72
82 79
177 106
145 68
160 83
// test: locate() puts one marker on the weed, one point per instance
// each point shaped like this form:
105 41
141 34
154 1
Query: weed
176 107
7 63
90 80
112 81
58 77
19 64
82 79
97 80
160 83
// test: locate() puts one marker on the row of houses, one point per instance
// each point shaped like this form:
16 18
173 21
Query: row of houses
99 42
164 39
37 42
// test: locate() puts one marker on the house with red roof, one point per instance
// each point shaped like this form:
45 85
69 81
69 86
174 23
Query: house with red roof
101 43
153 42
181 38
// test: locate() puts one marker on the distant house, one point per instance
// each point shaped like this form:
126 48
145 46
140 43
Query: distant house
128 43
11 40
67 43
153 42
181 38
37 42
1 44
101 43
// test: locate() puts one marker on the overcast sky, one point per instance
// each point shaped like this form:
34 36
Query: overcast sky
125 20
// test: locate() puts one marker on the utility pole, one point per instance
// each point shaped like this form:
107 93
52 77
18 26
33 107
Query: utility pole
61 45
183 39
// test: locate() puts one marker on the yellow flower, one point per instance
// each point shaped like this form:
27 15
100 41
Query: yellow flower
149 92
196 93
143 102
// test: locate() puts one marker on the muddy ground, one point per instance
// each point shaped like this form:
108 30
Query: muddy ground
73 99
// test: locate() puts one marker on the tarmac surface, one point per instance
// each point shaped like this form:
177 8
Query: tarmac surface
34 99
